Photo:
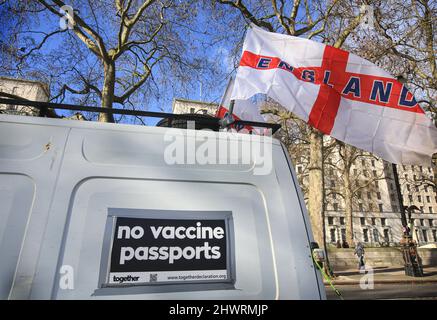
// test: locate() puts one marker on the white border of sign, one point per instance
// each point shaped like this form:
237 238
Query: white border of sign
227 276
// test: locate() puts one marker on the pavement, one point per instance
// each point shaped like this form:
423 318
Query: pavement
388 291
383 275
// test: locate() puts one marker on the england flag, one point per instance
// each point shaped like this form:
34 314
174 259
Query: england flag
243 109
338 93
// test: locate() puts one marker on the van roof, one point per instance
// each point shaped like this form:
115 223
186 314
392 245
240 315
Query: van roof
130 128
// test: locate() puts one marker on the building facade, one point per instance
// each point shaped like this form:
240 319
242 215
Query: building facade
26 89
193 106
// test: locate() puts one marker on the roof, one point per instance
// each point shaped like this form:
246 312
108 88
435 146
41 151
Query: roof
98 126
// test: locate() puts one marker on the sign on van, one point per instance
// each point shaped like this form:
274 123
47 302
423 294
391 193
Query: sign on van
150 251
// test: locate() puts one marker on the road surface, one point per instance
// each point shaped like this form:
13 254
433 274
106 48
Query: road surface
385 291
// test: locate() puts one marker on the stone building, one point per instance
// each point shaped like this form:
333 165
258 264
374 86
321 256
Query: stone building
26 89
193 106
419 189
376 206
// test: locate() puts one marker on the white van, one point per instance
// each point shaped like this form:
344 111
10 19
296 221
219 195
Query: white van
105 211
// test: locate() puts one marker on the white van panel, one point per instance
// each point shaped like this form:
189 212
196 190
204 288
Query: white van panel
83 245
16 198
89 168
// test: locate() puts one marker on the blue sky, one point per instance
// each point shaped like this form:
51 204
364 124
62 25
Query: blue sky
201 34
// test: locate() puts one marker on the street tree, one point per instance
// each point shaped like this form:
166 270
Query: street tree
108 52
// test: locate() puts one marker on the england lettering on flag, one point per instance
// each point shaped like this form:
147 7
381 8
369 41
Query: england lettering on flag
338 93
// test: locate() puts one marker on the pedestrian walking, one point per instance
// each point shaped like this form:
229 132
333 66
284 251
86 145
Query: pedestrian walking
359 252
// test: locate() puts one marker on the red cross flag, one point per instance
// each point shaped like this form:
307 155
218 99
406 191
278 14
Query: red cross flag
243 109
337 92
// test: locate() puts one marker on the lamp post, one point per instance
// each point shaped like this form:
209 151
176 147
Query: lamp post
412 265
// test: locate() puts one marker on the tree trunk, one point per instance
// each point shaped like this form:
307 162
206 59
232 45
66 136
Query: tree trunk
108 91
316 192
348 210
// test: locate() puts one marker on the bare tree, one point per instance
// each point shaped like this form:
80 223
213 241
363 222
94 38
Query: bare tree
113 47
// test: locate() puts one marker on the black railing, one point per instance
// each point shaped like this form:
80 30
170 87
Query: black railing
43 106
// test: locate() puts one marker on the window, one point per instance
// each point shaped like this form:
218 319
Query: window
332 235
331 171
366 235
428 199
386 236
381 209
369 195
192 110
408 188
421 168
430 222
363 162
383 222
419 198
343 235
359 194
360 205
421 222
375 235
430 210
332 183
373 163
299 169
425 236
434 235
376 184
342 221
421 209
335 205
378 195
426 188
330 221
373 221
334 196
410 197
374 173
362 221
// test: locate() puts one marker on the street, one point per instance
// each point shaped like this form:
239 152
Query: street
385 291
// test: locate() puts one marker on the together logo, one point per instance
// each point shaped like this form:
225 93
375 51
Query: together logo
128 278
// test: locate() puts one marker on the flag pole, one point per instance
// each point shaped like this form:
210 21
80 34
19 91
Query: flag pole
231 109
